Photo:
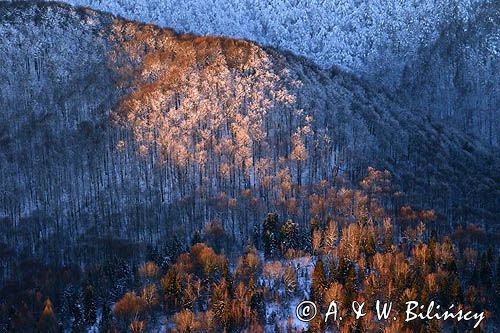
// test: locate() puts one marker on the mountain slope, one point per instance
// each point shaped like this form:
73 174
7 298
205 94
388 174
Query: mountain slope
425 49
371 39
455 79
123 130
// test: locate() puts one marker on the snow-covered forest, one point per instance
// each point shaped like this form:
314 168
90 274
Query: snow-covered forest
152 180
387 43
456 76
365 37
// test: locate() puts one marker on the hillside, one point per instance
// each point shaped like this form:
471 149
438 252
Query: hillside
456 77
89 150
438 56
156 181
371 39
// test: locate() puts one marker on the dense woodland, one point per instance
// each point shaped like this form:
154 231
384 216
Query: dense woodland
152 180
456 75
352 249
371 38
440 57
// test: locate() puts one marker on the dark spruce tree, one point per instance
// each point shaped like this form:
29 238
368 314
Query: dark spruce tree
105 323
89 306
270 235
290 235
78 322
196 238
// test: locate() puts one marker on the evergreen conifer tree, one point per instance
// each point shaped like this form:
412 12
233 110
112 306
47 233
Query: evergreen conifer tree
290 235
105 323
89 306
319 282
47 322
270 235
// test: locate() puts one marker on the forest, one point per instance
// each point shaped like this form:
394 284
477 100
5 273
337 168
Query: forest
351 249
439 57
158 181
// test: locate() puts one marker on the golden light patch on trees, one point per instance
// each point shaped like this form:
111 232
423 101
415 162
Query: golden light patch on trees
47 322
150 296
137 326
185 321
129 306
149 270
196 99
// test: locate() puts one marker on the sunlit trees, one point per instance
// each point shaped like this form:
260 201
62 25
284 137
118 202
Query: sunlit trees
331 234
129 308
249 266
200 105
316 239
149 270
319 282
149 296
207 115
272 272
220 144
47 322
206 263
290 280
241 311
137 326
172 288
186 322
221 306
365 263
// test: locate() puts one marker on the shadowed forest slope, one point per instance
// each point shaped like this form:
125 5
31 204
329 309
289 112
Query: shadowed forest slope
456 77
112 129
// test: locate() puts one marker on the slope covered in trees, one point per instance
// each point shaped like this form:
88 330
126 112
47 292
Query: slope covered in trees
352 249
442 55
142 132
456 77
373 39
122 142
